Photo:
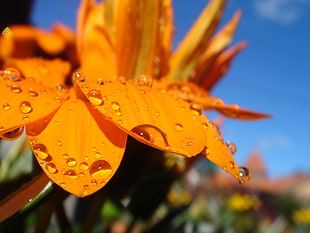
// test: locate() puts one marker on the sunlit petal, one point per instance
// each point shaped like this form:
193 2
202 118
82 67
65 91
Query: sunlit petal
23 100
50 72
79 150
143 37
147 114
185 58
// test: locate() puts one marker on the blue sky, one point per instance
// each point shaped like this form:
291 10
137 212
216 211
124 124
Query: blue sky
272 75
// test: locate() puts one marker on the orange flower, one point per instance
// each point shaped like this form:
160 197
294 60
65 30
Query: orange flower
126 81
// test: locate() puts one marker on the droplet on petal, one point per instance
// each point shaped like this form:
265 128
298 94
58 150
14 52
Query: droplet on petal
84 166
244 175
71 174
151 134
78 77
178 127
6 107
71 162
100 170
115 106
196 108
11 74
25 107
40 151
145 80
16 89
95 97
51 168
32 93
232 147
14 134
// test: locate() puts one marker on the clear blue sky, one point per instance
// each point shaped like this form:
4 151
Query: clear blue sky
272 75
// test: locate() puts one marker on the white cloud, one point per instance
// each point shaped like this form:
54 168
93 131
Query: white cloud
282 11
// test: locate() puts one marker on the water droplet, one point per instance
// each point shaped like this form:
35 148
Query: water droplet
78 77
145 80
65 156
152 134
11 74
25 107
51 168
205 125
244 175
6 107
71 174
71 162
95 97
100 170
14 134
63 184
40 151
115 106
178 127
206 151
118 113
97 155
82 174
157 113
59 143
84 166
94 182
196 108
232 164
26 118
100 81
16 89
32 93
232 147
86 186
30 200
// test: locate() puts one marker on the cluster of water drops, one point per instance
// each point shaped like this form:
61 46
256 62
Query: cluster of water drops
99 171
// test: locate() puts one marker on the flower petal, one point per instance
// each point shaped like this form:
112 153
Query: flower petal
218 152
143 37
23 101
147 114
93 41
185 59
79 150
52 73
215 47
200 98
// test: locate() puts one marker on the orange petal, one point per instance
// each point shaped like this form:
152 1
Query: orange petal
147 114
6 44
95 49
23 101
143 37
50 72
79 150
200 98
220 66
185 59
221 153
215 47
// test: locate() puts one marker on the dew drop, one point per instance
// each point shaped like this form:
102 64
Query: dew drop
178 127
97 155
94 182
40 151
16 89
82 174
100 81
115 106
59 143
84 166
63 184
196 108
11 74
14 134
157 113
152 134
232 164
51 168
100 170
6 107
244 175
25 107
205 125
86 186
32 93
26 118
71 162
71 174
95 97
78 77
118 113
145 80
65 156
232 147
